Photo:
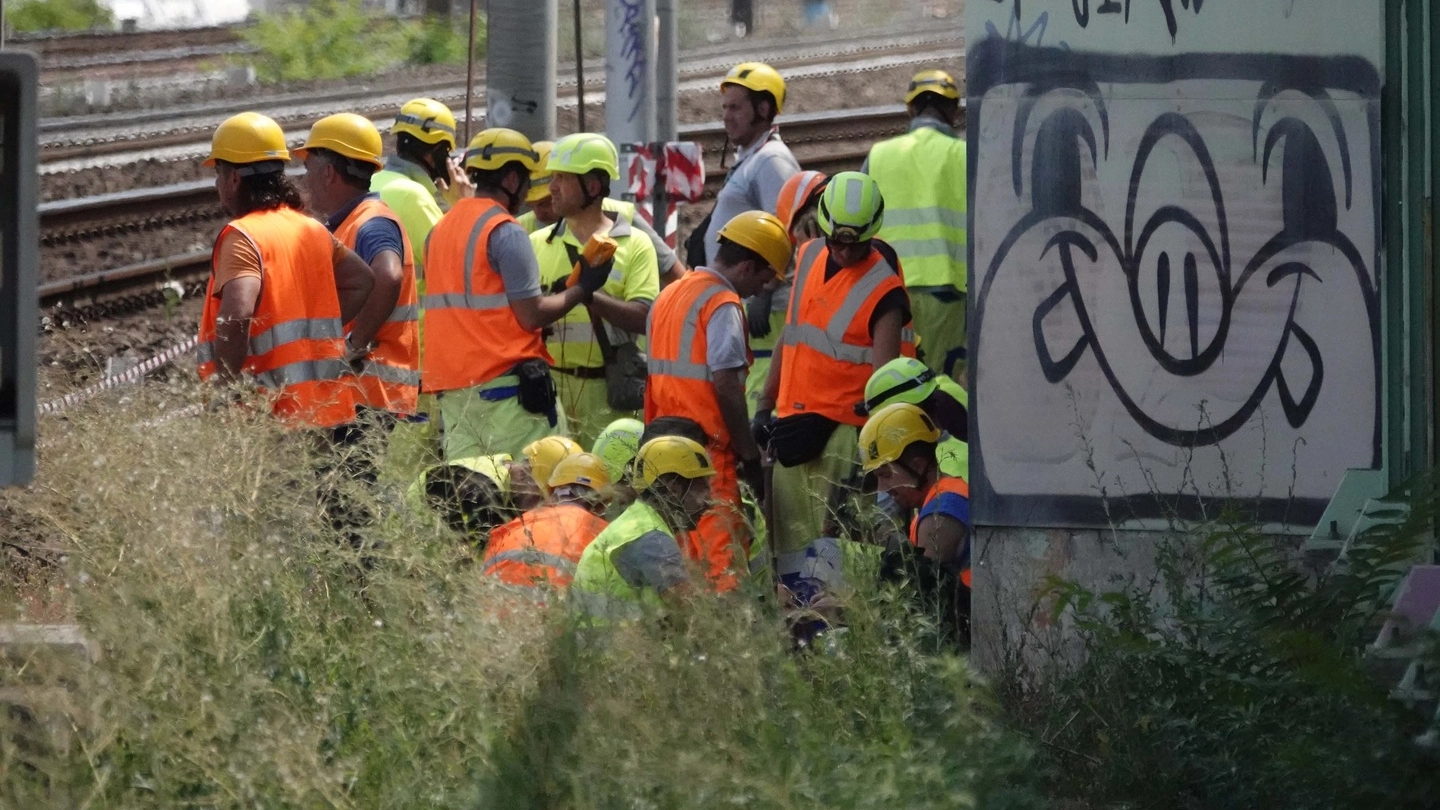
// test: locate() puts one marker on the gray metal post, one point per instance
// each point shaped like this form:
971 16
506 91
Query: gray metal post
667 70
520 71
19 263
630 71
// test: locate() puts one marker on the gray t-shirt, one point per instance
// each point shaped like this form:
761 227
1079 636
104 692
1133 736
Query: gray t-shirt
652 560
725 334
510 253
753 185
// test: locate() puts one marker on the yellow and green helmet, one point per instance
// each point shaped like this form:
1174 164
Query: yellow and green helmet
851 208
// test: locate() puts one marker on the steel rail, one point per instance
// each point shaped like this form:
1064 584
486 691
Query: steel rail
76 137
830 142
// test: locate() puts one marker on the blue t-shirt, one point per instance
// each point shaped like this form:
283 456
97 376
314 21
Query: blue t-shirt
376 236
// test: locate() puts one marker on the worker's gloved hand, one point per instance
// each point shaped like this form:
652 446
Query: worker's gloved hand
753 475
757 311
592 278
762 427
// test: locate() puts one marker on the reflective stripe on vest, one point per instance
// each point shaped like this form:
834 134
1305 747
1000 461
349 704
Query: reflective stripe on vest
295 341
827 352
389 379
472 334
922 176
681 366
531 556
830 341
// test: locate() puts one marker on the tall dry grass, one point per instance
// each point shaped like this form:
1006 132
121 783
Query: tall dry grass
254 655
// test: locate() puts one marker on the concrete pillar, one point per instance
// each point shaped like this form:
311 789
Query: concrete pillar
520 67
667 70
630 71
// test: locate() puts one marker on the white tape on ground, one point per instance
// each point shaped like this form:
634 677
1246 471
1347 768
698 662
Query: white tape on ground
128 376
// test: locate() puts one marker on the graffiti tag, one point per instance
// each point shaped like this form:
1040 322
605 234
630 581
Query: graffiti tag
632 33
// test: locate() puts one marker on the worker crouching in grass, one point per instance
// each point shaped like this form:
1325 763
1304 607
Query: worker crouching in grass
636 563
898 444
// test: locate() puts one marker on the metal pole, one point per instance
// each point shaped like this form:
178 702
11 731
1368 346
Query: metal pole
667 70
2 24
520 74
469 74
579 66
630 71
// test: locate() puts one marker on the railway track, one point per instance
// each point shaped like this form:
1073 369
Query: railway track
79 142
830 142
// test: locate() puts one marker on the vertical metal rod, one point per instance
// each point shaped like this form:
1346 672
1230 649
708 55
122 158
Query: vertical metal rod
579 67
470 74
2 24
667 69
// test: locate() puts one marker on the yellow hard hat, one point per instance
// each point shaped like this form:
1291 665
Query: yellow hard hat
932 81
496 468
671 455
495 148
348 134
890 430
544 454
427 120
763 233
580 469
759 77
247 137
540 176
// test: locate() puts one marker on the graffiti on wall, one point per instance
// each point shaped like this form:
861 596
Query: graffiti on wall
1175 279
1117 10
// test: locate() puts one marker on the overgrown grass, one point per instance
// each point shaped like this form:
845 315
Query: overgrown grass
336 39
29 16
253 657
1234 679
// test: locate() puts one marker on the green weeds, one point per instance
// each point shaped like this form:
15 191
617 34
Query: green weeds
257 655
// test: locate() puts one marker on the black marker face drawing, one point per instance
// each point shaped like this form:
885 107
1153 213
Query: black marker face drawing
1196 270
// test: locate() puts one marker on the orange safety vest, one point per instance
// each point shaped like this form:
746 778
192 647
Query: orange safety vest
679 383
297 341
542 546
946 483
471 334
391 378
826 354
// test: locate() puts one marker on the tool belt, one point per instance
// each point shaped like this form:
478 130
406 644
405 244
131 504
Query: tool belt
583 372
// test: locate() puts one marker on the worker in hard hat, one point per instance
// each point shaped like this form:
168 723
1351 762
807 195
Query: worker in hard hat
698 360
542 455
906 379
752 94
848 316
542 213
600 375
637 563
543 545
922 175
341 155
484 355
765 311
617 445
420 180
469 495
282 288
898 445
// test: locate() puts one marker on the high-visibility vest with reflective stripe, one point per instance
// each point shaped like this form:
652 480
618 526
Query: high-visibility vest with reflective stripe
598 587
826 354
957 486
297 342
921 175
542 546
471 334
680 383
571 339
391 377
